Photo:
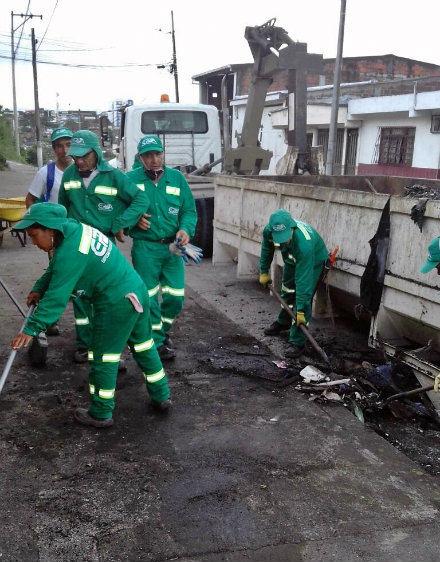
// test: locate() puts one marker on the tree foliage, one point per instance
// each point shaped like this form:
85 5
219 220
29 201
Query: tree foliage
7 147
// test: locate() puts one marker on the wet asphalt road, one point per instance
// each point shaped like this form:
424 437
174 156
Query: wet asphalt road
240 469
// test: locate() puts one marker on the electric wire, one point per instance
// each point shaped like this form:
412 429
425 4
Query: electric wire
44 35
22 27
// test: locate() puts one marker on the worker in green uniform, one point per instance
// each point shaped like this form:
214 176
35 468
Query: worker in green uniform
433 259
101 196
88 264
172 215
304 254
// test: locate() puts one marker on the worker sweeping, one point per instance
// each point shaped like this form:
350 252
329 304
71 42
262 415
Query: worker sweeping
87 264
172 216
304 255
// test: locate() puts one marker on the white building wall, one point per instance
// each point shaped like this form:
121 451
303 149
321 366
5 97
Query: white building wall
426 144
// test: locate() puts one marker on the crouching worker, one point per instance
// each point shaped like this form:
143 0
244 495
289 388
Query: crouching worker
304 255
433 259
86 263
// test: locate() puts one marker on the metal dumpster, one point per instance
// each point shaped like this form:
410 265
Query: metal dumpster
409 314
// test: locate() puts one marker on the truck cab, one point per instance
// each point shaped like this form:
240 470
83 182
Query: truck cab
190 134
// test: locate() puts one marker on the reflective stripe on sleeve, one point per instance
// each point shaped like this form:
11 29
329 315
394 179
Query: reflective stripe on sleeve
106 394
90 356
144 346
104 190
167 320
156 327
92 388
86 239
155 377
173 292
82 321
111 357
141 186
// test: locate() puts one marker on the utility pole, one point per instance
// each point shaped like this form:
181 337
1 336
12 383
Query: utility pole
335 99
37 105
14 91
174 64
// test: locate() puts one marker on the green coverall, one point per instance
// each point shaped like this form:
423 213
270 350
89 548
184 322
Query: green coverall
172 209
88 264
304 258
110 203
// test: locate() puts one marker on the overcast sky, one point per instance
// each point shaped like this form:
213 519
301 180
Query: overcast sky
208 35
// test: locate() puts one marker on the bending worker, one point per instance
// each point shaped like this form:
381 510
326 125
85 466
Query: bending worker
88 264
433 259
304 254
172 215
101 196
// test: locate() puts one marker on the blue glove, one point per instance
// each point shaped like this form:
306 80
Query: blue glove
188 252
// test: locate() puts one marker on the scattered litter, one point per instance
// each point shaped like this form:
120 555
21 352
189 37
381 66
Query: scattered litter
312 374
281 364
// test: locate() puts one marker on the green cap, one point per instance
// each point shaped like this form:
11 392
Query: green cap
61 133
281 224
150 143
433 258
50 215
82 142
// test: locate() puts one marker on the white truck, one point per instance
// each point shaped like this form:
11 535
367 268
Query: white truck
191 137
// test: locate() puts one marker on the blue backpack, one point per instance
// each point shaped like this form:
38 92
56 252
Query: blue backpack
49 180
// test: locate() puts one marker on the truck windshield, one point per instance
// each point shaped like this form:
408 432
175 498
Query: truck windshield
169 121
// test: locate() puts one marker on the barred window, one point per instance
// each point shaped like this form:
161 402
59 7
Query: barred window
396 145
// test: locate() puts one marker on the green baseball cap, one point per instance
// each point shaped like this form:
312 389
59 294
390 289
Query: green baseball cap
82 142
50 215
150 143
433 258
281 224
60 133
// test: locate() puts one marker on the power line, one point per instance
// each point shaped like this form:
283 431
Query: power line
44 35
21 33
94 66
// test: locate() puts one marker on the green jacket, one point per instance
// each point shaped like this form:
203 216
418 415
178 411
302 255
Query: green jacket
87 264
172 205
110 203
305 251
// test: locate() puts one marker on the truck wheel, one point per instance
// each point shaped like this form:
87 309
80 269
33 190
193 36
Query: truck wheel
204 229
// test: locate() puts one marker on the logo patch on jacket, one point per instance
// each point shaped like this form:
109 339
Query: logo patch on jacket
105 207
173 211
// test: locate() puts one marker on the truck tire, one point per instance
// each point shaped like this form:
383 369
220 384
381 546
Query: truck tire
204 229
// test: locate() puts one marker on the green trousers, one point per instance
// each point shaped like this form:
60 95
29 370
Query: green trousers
83 313
113 326
288 293
162 272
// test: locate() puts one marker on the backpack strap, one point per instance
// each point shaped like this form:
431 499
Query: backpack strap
50 178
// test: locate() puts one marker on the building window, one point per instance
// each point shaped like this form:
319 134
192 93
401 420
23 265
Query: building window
435 124
395 146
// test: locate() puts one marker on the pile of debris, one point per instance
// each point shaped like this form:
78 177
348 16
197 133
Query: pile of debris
368 390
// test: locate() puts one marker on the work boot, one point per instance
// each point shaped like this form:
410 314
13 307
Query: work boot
122 366
168 342
162 406
294 351
53 330
82 416
81 356
166 353
275 329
